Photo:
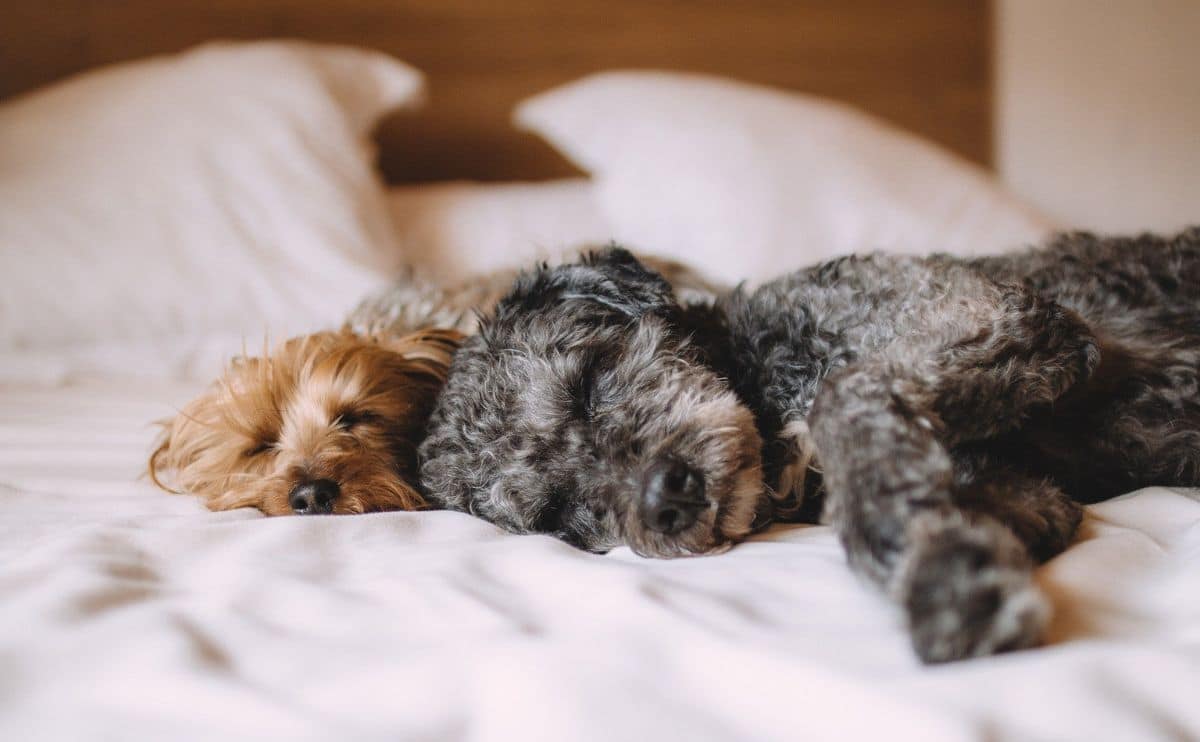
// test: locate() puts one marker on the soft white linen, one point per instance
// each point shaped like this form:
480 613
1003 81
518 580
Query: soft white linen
126 613
448 229
229 188
751 181
183 357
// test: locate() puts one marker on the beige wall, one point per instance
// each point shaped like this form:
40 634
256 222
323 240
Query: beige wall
1098 109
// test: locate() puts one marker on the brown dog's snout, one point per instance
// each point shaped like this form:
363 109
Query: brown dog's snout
672 496
314 498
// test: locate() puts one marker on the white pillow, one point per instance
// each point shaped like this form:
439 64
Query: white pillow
746 181
452 230
228 188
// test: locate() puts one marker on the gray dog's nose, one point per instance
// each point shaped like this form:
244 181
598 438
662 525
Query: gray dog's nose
672 496
314 498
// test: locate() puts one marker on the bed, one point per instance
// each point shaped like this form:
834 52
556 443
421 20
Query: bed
135 260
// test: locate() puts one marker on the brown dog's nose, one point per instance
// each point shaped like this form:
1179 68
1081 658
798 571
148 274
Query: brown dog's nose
314 498
672 496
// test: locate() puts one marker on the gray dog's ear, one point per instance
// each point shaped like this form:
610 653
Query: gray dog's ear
620 281
611 280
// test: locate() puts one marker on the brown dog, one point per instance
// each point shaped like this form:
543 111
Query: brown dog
327 423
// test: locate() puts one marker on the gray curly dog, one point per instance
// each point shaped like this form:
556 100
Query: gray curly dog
946 415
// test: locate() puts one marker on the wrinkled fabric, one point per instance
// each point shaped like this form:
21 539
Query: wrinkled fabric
129 613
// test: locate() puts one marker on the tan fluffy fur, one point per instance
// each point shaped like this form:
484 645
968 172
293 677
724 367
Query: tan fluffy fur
334 405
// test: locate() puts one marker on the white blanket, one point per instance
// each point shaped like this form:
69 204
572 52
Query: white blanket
126 613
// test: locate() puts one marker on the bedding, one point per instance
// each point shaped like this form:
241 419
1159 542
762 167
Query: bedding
130 614
448 228
722 173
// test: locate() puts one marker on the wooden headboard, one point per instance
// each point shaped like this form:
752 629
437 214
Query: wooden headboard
922 64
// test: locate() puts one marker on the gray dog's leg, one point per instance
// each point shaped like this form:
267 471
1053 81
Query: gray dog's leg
965 582
1032 352
954 546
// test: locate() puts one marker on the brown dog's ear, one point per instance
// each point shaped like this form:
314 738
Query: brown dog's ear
159 461
175 447
184 438
434 346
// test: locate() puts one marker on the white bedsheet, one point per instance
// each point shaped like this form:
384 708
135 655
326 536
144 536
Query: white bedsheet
126 613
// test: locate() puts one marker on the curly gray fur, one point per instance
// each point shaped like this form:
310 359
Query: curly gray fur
946 415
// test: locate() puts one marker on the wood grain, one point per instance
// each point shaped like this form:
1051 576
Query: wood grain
922 64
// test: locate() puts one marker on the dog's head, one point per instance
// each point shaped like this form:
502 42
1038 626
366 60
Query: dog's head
585 409
327 423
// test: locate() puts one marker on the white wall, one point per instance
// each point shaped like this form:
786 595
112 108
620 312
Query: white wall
1098 110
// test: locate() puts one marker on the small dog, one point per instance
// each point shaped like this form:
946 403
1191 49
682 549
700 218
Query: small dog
329 423
590 400
946 415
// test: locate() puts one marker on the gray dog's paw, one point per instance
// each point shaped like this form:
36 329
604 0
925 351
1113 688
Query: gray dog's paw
971 598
